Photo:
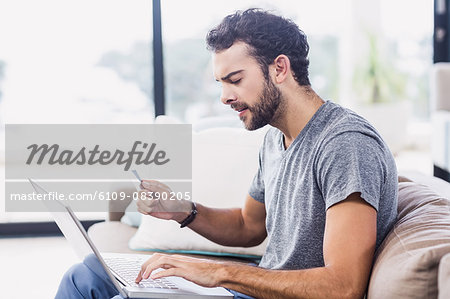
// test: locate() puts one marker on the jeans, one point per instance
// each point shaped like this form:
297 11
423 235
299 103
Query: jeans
89 280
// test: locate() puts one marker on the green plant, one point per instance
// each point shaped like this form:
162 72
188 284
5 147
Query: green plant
376 79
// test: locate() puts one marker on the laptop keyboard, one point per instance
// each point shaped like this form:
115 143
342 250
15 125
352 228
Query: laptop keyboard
128 269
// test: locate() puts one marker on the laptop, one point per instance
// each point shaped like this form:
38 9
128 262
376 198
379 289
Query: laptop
122 268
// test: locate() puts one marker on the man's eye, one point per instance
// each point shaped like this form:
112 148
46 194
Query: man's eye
236 81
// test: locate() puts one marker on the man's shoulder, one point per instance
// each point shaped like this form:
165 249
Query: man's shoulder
344 123
345 133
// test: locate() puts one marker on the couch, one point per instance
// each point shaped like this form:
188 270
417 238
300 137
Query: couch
412 262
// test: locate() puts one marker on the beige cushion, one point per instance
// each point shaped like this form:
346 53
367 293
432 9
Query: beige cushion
113 236
444 277
406 264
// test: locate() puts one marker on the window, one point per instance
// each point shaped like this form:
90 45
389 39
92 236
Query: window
408 31
337 33
73 62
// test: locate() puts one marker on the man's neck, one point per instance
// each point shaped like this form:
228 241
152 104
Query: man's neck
300 106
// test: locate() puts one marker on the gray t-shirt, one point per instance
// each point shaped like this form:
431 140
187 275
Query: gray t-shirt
337 153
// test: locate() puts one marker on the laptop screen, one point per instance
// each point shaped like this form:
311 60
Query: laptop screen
77 237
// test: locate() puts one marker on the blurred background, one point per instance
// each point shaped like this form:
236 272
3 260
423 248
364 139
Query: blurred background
93 62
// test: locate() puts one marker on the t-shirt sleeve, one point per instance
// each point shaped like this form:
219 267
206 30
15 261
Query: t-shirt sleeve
351 162
257 187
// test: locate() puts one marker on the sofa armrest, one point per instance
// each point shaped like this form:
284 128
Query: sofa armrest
112 236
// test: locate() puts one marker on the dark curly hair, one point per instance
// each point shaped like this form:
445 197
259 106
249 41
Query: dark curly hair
268 36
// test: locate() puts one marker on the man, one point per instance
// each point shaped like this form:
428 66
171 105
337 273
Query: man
325 194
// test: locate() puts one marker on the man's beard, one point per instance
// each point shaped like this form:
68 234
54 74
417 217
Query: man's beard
268 109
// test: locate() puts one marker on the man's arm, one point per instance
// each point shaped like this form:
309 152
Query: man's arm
243 227
348 249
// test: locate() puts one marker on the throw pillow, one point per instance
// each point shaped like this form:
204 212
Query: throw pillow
406 264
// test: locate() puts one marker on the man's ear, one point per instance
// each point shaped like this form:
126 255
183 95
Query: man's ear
282 68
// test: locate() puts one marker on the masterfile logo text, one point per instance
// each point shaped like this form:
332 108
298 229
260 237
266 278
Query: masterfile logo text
93 162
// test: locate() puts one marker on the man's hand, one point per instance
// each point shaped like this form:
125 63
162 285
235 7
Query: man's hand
154 200
200 271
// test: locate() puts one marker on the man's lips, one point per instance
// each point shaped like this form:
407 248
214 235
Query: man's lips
242 111
239 108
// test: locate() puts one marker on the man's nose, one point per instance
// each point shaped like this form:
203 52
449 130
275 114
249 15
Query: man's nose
227 97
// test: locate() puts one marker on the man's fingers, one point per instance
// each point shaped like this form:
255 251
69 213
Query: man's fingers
143 211
167 262
139 277
154 257
160 261
150 268
144 266
202 272
146 203
145 194
143 207
169 272
152 185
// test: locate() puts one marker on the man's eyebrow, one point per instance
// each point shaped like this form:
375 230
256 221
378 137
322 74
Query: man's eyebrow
230 74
